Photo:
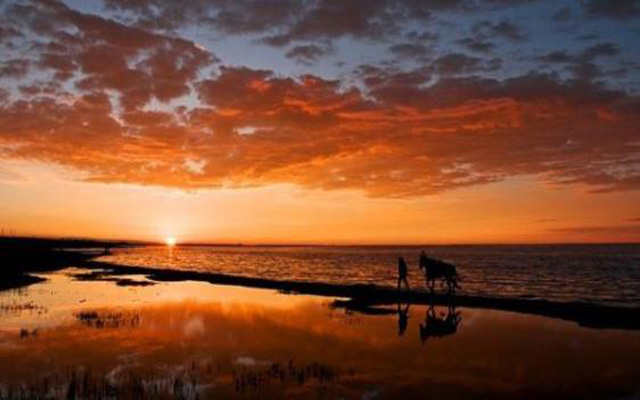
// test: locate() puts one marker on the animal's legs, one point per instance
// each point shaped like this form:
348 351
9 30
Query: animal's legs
430 284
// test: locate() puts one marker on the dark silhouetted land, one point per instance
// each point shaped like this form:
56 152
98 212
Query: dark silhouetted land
21 256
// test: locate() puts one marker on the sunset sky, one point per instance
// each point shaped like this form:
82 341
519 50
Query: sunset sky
321 121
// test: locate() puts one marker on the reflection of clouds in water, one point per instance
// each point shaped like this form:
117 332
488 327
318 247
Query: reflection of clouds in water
130 357
372 394
231 338
470 318
250 361
6 344
112 375
275 347
194 326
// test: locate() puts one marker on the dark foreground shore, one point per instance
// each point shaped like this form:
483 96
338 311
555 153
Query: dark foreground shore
21 257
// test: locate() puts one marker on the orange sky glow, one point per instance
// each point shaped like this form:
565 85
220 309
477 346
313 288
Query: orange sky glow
301 126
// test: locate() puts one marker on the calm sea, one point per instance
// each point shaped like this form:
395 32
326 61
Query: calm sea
605 274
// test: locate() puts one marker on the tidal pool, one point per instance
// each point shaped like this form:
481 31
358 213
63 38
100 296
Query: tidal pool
69 338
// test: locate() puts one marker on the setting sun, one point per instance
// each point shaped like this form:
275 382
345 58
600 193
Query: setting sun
170 241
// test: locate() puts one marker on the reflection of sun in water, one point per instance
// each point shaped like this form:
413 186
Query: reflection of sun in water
170 241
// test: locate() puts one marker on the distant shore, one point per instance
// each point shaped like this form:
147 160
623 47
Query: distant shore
20 257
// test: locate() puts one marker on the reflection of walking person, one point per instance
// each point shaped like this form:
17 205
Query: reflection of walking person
403 318
402 273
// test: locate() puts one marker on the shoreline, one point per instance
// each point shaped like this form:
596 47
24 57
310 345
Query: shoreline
363 297
19 264
99 340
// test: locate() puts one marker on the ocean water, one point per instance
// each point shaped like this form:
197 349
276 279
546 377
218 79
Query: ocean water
68 338
600 274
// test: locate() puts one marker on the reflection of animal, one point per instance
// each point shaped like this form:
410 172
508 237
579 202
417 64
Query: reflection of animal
437 327
436 269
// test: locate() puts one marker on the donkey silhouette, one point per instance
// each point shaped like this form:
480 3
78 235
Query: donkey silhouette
435 326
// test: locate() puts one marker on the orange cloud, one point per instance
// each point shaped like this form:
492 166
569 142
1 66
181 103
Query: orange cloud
396 134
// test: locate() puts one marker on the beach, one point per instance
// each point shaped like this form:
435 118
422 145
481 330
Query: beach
89 338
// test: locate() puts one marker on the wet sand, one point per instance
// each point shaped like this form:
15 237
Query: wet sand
364 297
21 257
88 338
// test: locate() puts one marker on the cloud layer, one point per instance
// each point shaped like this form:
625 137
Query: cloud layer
132 101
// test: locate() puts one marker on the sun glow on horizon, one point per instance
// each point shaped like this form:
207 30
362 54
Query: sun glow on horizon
171 241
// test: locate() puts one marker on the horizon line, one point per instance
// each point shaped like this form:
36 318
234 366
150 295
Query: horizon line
309 244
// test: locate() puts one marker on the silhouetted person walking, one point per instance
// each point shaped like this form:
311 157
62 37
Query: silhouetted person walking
402 273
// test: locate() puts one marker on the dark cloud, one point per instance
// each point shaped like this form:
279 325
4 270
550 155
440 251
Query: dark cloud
507 30
621 9
308 54
458 63
8 32
600 50
477 45
141 66
15 68
557 57
562 15
587 37
41 89
410 50
502 29
587 55
586 71
331 19
229 17
424 37
281 22
583 66
455 63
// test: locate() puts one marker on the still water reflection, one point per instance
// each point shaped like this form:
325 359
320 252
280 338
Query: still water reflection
67 338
